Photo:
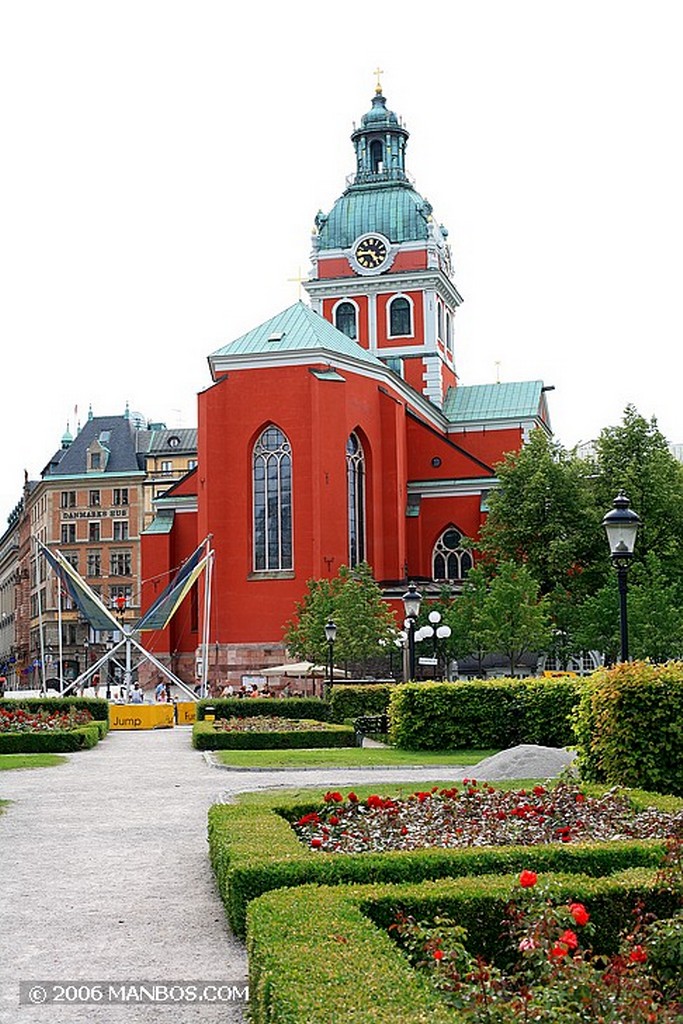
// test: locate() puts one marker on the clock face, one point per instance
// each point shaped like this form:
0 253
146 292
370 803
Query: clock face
371 252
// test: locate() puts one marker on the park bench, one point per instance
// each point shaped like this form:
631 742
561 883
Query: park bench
368 724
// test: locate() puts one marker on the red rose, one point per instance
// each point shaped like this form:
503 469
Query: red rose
579 913
569 939
316 843
352 798
539 790
334 820
558 951
527 879
637 955
438 954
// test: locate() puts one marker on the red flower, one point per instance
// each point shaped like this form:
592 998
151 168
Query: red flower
569 939
527 879
335 798
637 955
309 819
558 951
579 913
333 819
352 798
539 790
316 843
438 954
404 831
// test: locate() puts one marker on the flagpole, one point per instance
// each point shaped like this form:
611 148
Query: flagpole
59 627
207 618
40 619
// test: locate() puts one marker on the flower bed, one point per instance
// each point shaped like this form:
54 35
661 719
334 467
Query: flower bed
42 729
264 733
479 815
255 849
319 955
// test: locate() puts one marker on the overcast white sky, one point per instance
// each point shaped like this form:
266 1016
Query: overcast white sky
162 163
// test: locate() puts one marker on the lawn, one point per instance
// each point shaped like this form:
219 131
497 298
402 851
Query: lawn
350 757
10 761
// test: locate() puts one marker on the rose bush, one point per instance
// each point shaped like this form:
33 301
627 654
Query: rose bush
20 720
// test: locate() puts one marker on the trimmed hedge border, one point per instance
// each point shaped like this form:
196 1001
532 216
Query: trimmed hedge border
205 737
280 707
254 849
319 955
84 737
491 713
348 701
97 707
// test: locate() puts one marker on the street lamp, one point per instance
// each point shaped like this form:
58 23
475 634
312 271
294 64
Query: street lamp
330 636
621 526
411 605
441 632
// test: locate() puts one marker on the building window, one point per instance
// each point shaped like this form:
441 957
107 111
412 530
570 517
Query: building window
120 563
72 558
355 483
396 364
120 590
272 482
94 532
94 561
450 560
95 460
400 318
449 333
166 467
345 319
94 499
439 321
68 499
191 463
119 496
68 533
120 529
376 156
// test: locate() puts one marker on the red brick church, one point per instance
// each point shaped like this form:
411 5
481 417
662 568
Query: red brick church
338 432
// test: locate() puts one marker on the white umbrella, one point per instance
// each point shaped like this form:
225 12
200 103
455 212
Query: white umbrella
300 670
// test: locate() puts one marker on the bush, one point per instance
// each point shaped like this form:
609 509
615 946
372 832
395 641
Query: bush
99 709
350 702
82 738
629 727
284 707
254 849
205 737
483 713
310 949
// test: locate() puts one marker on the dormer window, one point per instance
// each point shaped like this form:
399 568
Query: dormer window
95 460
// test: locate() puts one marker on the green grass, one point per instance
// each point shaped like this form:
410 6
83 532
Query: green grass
349 757
10 761
313 793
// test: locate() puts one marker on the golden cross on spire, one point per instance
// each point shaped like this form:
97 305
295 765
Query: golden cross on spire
298 280
378 71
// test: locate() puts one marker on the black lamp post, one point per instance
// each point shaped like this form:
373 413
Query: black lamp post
621 526
330 636
411 605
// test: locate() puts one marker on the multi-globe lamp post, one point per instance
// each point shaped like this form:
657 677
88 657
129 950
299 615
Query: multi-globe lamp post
436 630
621 526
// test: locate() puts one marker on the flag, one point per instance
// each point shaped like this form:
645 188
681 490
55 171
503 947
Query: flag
168 602
86 600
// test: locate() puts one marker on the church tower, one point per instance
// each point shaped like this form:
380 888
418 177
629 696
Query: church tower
381 264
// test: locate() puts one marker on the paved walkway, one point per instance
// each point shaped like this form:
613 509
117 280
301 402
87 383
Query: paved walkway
105 875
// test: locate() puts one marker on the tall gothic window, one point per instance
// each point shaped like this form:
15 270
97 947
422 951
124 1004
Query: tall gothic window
355 477
272 478
345 319
450 560
400 319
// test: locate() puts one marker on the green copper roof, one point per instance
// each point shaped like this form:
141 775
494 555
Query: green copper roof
396 211
516 400
162 522
296 329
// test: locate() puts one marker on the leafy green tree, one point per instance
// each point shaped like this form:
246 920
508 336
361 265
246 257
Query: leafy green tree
543 515
464 615
514 619
362 617
635 457
655 614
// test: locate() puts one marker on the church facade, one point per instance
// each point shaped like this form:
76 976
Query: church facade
338 432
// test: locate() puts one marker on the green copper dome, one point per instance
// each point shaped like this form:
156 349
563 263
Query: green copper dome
380 196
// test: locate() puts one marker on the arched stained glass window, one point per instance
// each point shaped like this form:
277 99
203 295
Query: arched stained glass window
355 478
345 319
272 481
400 318
450 560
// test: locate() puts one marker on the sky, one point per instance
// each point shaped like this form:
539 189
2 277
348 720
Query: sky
162 164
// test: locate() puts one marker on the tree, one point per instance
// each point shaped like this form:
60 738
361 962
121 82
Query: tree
544 516
514 619
464 615
355 602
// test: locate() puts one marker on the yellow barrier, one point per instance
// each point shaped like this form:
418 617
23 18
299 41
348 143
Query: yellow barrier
141 716
186 711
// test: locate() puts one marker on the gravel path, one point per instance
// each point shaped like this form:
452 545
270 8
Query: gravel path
106 878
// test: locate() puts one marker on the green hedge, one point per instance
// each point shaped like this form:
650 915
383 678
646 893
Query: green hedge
99 709
205 737
59 742
253 849
629 726
483 713
349 702
281 707
319 955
